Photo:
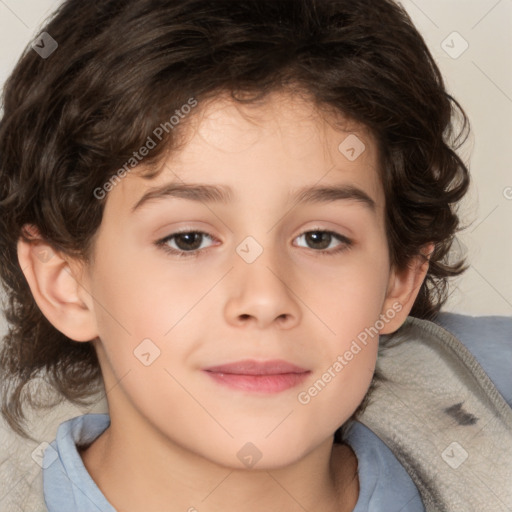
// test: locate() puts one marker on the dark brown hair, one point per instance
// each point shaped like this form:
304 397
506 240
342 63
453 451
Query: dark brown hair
123 67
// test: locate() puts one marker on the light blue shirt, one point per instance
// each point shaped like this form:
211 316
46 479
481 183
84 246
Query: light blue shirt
384 484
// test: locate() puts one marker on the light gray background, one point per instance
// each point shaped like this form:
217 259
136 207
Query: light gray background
480 78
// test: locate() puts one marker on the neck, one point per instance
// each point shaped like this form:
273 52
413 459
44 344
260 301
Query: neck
139 472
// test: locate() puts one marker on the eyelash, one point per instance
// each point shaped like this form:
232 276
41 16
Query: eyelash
346 243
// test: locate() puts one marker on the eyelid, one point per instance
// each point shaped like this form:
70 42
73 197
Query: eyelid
326 230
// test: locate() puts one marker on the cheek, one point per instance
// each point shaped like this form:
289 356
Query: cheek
348 336
349 297
344 373
350 309
138 299
147 319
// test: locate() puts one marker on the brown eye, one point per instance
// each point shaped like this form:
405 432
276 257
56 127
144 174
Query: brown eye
320 240
187 243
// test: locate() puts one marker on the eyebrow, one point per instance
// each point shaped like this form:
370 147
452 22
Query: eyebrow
224 194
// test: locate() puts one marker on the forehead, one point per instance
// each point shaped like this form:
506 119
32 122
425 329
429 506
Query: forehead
268 148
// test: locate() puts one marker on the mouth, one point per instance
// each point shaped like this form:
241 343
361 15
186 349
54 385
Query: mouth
259 377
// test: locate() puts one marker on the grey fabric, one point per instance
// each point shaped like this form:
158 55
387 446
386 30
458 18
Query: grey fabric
21 474
489 339
444 420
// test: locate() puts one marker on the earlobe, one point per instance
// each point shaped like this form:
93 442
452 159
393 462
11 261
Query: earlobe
56 291
403 288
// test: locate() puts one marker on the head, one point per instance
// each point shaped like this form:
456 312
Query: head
263 98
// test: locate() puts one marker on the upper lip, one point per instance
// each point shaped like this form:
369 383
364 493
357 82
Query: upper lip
252 367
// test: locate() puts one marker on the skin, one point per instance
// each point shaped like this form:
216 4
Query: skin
175 433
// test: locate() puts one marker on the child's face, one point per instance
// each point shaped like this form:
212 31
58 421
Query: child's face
258 289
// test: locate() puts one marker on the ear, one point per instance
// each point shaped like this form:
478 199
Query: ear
403 288
57 292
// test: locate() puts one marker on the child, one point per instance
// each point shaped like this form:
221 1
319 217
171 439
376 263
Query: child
304 150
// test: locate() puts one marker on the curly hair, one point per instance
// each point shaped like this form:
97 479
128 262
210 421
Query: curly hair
72 119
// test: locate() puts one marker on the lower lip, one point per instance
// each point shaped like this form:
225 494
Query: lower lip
259 383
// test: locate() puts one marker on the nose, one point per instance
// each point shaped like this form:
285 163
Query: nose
261 293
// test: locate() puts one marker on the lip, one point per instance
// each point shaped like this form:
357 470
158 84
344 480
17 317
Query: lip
253 367
258 376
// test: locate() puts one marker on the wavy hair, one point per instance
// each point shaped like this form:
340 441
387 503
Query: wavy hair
72 119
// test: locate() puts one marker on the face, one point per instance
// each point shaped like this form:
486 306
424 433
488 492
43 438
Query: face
254 271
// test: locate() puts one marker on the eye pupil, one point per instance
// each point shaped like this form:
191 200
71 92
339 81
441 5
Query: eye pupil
189 239
319 237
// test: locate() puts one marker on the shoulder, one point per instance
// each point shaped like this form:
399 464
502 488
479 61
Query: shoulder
427 372
489 339
384 484
66 481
